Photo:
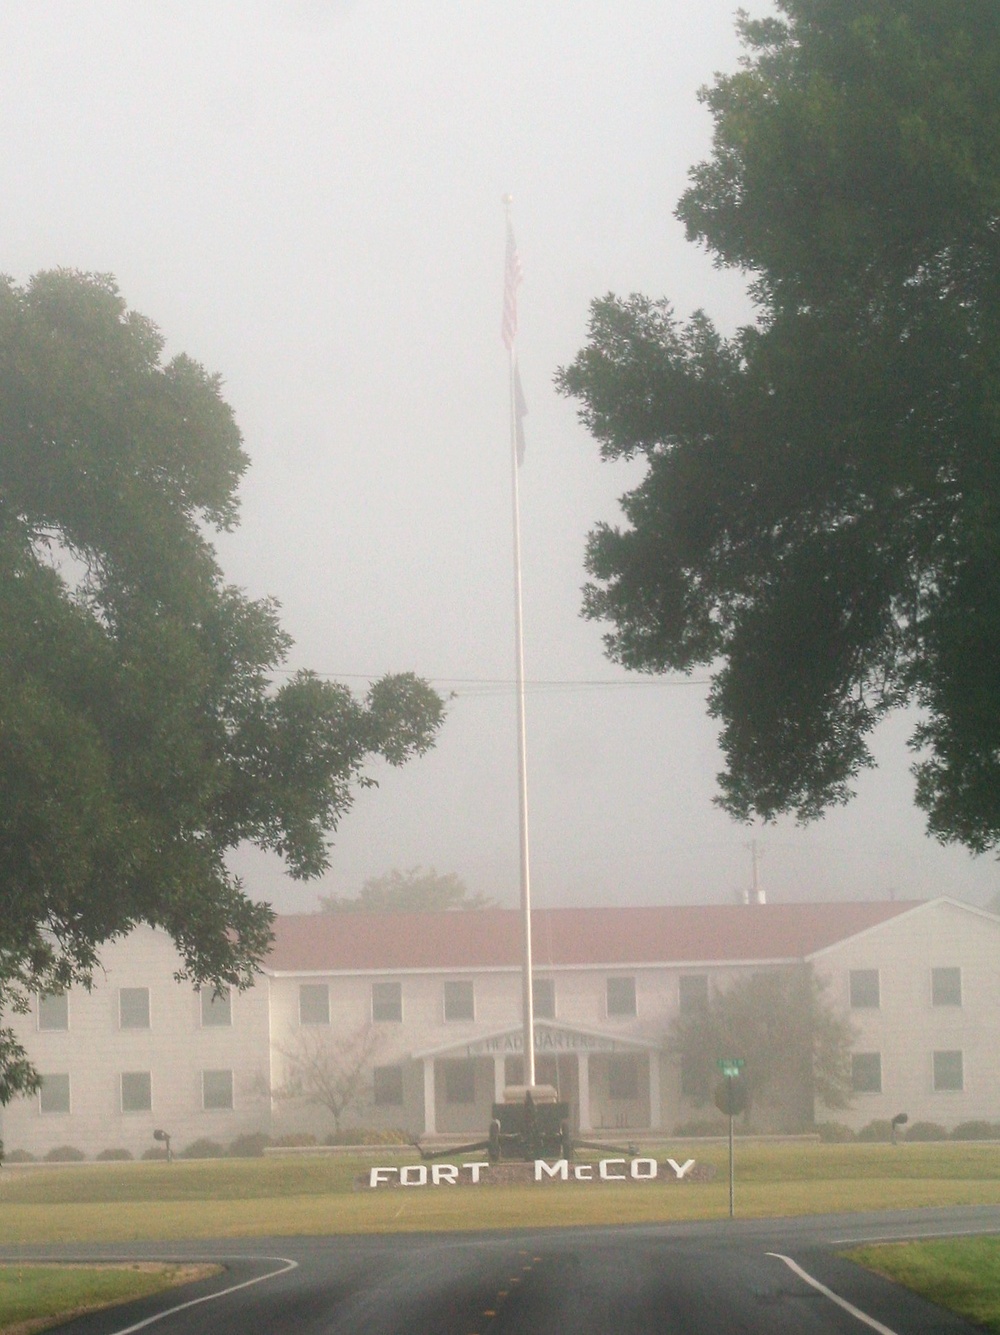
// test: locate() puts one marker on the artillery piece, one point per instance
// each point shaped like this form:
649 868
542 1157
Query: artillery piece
531 1123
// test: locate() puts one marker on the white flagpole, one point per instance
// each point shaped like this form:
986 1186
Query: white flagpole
527 1000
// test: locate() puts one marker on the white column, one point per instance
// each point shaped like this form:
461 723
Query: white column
499 1078
655 1111
583 1082
430 1114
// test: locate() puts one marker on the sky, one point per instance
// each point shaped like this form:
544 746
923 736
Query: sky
306 196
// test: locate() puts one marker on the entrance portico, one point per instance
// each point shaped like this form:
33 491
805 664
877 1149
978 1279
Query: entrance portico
610 1082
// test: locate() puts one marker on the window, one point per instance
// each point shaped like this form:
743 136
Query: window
216 1007
133 1007
387 1002
866 1072
695 1079
693 992
623 1078
53 1097
216 1090
53 1010
948 1073
621 996
314 1003
137 1091
459 1003
946 987
459 1081
543 994
388 1086
865 989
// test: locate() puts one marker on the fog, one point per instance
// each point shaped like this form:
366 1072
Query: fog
306 197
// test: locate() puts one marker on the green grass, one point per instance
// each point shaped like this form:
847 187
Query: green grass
34 1297
316 1195
961 1274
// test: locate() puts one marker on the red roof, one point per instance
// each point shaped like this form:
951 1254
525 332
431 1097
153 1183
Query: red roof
491 938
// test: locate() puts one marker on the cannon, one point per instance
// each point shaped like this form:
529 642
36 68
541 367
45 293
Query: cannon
531 1123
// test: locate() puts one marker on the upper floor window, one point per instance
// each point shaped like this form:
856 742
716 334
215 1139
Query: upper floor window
314 1003
53 1097
133 1007
388 1086
621 996
866 1072
216 1090
387 1002
864 989
946 987
948 1073
543 996
136 1091
692 992
459 1001
53 1010
216 1006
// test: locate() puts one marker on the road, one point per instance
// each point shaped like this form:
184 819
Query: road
761 1277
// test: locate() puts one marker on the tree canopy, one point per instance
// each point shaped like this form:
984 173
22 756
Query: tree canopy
819 519
794 1046
411 891
142 736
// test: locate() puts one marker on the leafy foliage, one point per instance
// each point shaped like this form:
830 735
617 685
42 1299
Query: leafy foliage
141 737
820 513
794 1046
411 891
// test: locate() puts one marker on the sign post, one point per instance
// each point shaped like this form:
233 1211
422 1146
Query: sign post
734 1101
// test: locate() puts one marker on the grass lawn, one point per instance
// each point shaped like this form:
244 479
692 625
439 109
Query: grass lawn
960 1274
316 1194
34 1297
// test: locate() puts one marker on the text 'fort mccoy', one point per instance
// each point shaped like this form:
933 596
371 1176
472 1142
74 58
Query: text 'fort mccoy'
556 1170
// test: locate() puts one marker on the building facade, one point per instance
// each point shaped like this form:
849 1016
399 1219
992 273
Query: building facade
413 1021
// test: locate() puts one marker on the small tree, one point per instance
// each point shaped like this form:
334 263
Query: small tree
795 1047
412 891
330 1072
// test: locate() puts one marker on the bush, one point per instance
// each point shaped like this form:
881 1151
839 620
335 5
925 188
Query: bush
65 1154
203 1149
879 1130
21 1156
368 1136
110 1156
295 1140
154 1152
834 1133
250 1145
704 1126
926 1131
976 1131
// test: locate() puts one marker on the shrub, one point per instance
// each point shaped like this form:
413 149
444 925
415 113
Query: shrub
154 1152
109 1156
703 1126
926 1131
976 1131
250 1145
880 1129
21 1156
368 1136
203 1148
294 1140
65 1154
835 1133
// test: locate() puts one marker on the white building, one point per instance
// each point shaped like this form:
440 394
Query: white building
433 1002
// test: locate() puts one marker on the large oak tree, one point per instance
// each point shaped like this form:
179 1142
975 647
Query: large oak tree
819 519
142 736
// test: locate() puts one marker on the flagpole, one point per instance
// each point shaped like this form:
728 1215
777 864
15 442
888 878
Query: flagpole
512 277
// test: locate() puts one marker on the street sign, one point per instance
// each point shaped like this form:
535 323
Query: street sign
731 1067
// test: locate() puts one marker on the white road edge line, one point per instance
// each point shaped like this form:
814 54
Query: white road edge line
211 1297
912 1235
829 1293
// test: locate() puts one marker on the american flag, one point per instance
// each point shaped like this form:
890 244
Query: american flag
511 282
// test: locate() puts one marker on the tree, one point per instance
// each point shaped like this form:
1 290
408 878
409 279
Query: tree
819 518
794 1046
412 891
141 737
331 1073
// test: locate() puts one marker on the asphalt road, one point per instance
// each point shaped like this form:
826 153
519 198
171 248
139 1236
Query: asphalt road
763 1276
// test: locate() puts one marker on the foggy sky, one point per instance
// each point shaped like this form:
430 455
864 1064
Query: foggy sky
306 197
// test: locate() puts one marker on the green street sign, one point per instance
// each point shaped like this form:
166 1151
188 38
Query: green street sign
731 1067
